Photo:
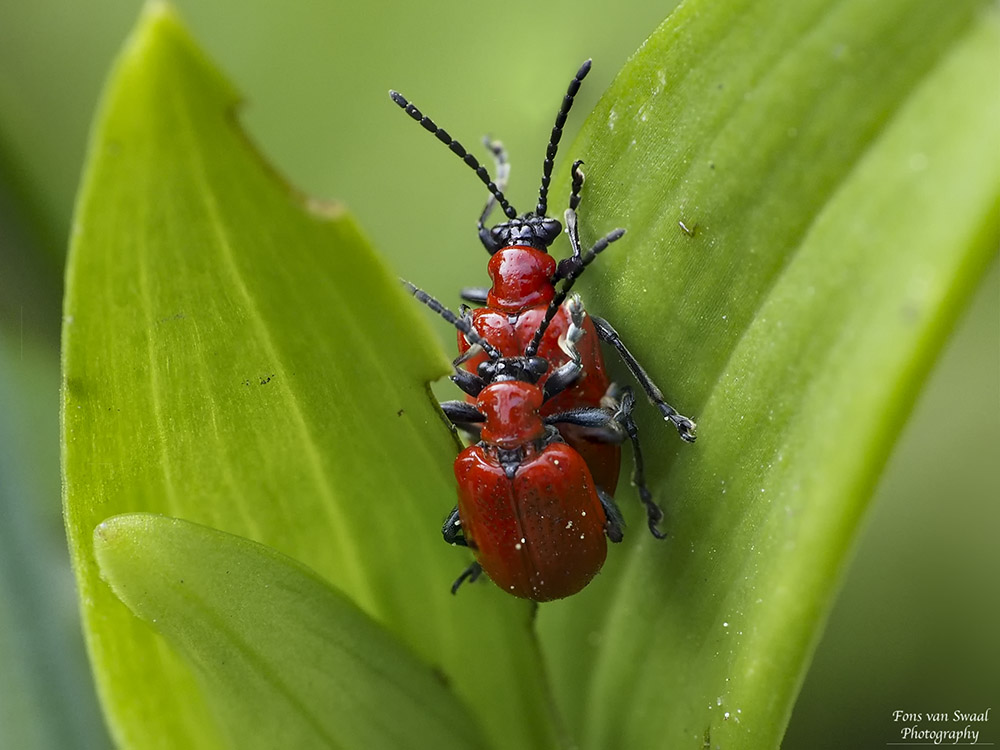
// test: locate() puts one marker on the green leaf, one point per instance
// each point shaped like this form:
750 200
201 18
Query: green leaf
237 357
835 160
291 662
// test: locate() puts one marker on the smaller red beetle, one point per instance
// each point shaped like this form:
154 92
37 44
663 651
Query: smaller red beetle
528 506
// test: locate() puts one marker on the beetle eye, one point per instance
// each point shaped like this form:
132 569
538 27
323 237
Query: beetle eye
499 236
538 365
550 230
490 241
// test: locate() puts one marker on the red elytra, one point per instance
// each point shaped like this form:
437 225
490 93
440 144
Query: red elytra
539 534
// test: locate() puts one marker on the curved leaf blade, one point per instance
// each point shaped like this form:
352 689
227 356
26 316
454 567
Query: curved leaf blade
287 661
831 158
237 357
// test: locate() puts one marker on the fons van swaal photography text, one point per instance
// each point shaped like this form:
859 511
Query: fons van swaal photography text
914 733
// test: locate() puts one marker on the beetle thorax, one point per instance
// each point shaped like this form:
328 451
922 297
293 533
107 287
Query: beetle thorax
522 278
511 411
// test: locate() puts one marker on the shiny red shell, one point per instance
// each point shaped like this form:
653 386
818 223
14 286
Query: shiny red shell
540 534
522 289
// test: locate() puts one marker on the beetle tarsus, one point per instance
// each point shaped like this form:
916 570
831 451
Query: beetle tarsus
470 574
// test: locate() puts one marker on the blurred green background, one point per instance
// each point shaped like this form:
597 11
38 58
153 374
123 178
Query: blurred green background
915 625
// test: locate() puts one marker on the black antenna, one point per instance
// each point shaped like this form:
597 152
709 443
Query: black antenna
456 148
460 323
550 153
569 279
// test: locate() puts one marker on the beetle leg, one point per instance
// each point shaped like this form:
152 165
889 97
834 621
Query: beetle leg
474 294
614 526
685 426
452 533
470 574
452 529
601 421
613 422
501 174
623 416
578 178
462 414
569 372
570 215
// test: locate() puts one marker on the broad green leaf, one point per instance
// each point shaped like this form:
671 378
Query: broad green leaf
237 357
290 661
838 163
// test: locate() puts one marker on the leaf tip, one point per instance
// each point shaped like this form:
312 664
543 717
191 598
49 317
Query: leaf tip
118 535
160 49
158 18
105 533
